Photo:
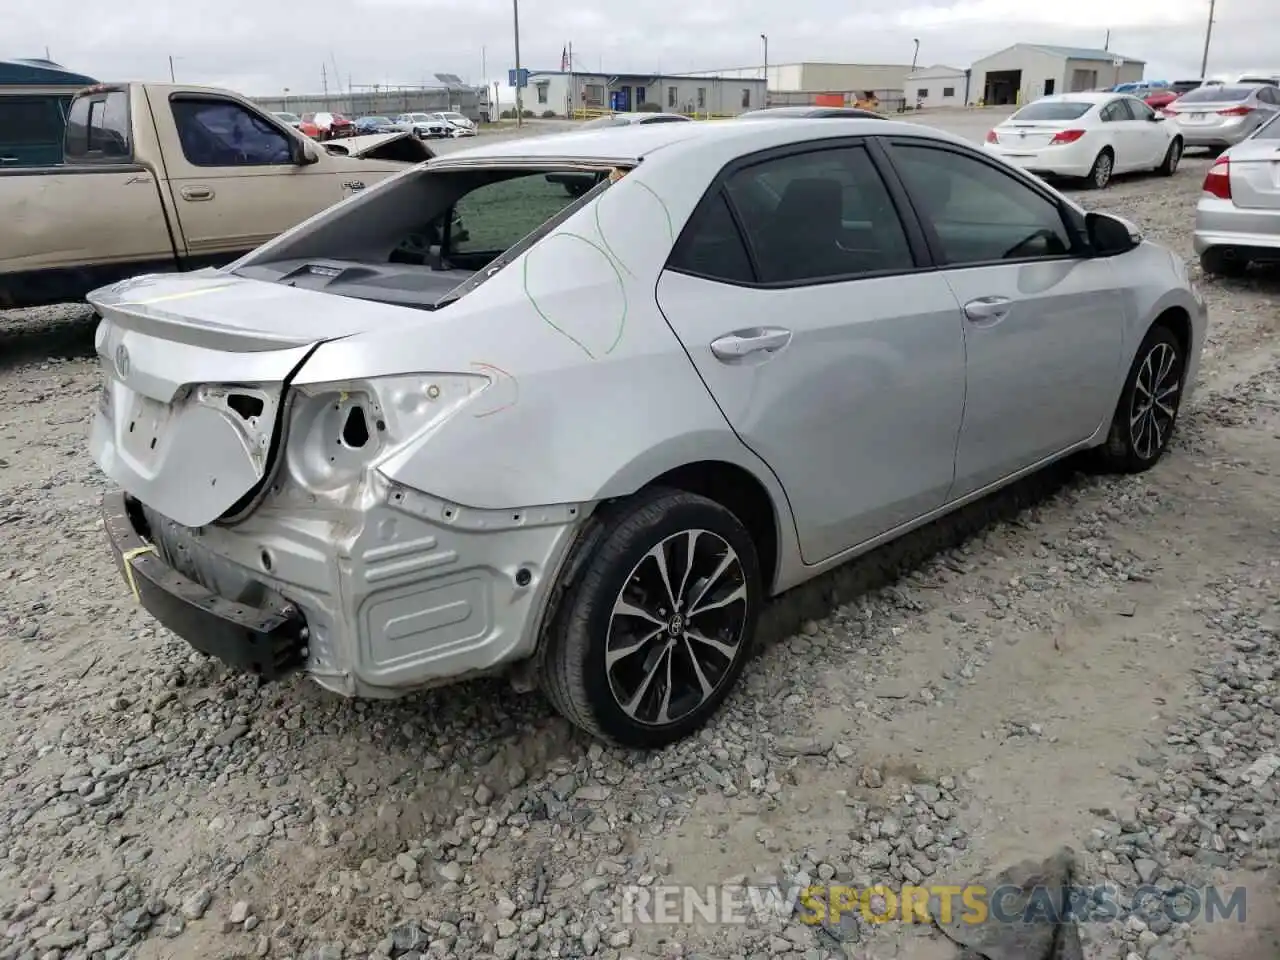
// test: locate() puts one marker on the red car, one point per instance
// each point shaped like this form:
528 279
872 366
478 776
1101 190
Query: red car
326 126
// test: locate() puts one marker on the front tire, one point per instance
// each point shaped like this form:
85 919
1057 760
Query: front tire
1171 158
652 634
1148 409
1103 166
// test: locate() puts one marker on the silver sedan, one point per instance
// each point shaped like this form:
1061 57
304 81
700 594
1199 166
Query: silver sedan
1222 115
583 442
1238 216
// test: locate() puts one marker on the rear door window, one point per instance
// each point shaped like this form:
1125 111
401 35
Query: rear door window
98 128
31 129
819 215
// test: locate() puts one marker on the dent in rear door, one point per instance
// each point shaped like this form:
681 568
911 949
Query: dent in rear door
232 177
858 414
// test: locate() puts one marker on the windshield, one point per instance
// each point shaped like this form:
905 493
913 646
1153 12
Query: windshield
290 117
1217 94
376 120
455 116
1053 110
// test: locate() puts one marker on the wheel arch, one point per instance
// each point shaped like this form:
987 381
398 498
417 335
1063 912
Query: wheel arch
1178 320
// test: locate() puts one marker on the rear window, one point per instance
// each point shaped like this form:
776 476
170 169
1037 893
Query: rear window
1185 86
1269 130
1053 110
1217 94
98 127
26 120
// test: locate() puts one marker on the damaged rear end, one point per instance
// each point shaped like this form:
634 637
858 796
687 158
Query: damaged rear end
259 517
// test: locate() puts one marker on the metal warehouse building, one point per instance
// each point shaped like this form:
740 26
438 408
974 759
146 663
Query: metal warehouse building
939 86
559 92
1026 71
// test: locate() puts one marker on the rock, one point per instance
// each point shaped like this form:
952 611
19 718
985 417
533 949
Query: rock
194 907
239 912
137 920
229 736
451 871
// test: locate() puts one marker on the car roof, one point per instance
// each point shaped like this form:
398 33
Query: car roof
807 111
606 144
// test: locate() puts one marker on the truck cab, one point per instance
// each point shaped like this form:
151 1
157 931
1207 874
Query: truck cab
35 97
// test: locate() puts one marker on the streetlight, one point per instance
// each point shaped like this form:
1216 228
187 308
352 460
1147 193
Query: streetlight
1208 35
171 59
914 55
765 40
515 23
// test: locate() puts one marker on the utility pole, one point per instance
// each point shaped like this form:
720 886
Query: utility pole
1106 44
324 83
1208 34
515 23
171 79
765 40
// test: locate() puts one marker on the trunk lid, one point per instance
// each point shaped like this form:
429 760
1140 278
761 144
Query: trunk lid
1031 133
402 146
195 369
1202 113
1254 167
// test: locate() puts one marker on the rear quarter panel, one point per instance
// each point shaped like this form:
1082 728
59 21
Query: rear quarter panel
591 394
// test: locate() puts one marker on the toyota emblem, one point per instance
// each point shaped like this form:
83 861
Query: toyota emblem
122 361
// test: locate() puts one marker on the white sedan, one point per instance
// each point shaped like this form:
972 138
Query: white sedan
1087 135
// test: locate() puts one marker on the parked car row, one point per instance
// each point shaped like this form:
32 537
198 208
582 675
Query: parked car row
1095 135
1090 136
1238 216
431 126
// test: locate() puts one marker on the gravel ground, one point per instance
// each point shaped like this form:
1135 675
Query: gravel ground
1084 661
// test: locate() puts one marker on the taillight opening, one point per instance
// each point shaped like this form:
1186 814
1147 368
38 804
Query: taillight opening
991 137
1235 112
1217 182
1066 136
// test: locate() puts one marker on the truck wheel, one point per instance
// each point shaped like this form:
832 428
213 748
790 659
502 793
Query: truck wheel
651 635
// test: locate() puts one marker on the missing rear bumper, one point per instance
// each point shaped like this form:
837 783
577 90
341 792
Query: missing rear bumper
263 642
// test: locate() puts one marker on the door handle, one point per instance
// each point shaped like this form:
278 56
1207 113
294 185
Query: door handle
8 159
197 193
742 343
991 309
354 185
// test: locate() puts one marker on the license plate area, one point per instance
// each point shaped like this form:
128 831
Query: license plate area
144 429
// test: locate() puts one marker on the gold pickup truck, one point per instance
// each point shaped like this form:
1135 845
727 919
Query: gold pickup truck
157 177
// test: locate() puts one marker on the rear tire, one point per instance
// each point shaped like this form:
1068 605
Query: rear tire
1174 154
1147 413
654 629
1224 262
1100 174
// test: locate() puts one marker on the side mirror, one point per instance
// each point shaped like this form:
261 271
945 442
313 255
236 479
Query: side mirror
1156 117
304 155
1111 236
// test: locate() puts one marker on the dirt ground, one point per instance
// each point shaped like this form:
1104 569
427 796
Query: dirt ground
1083 661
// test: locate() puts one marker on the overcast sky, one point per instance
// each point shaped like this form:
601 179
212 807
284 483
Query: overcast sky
261 47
